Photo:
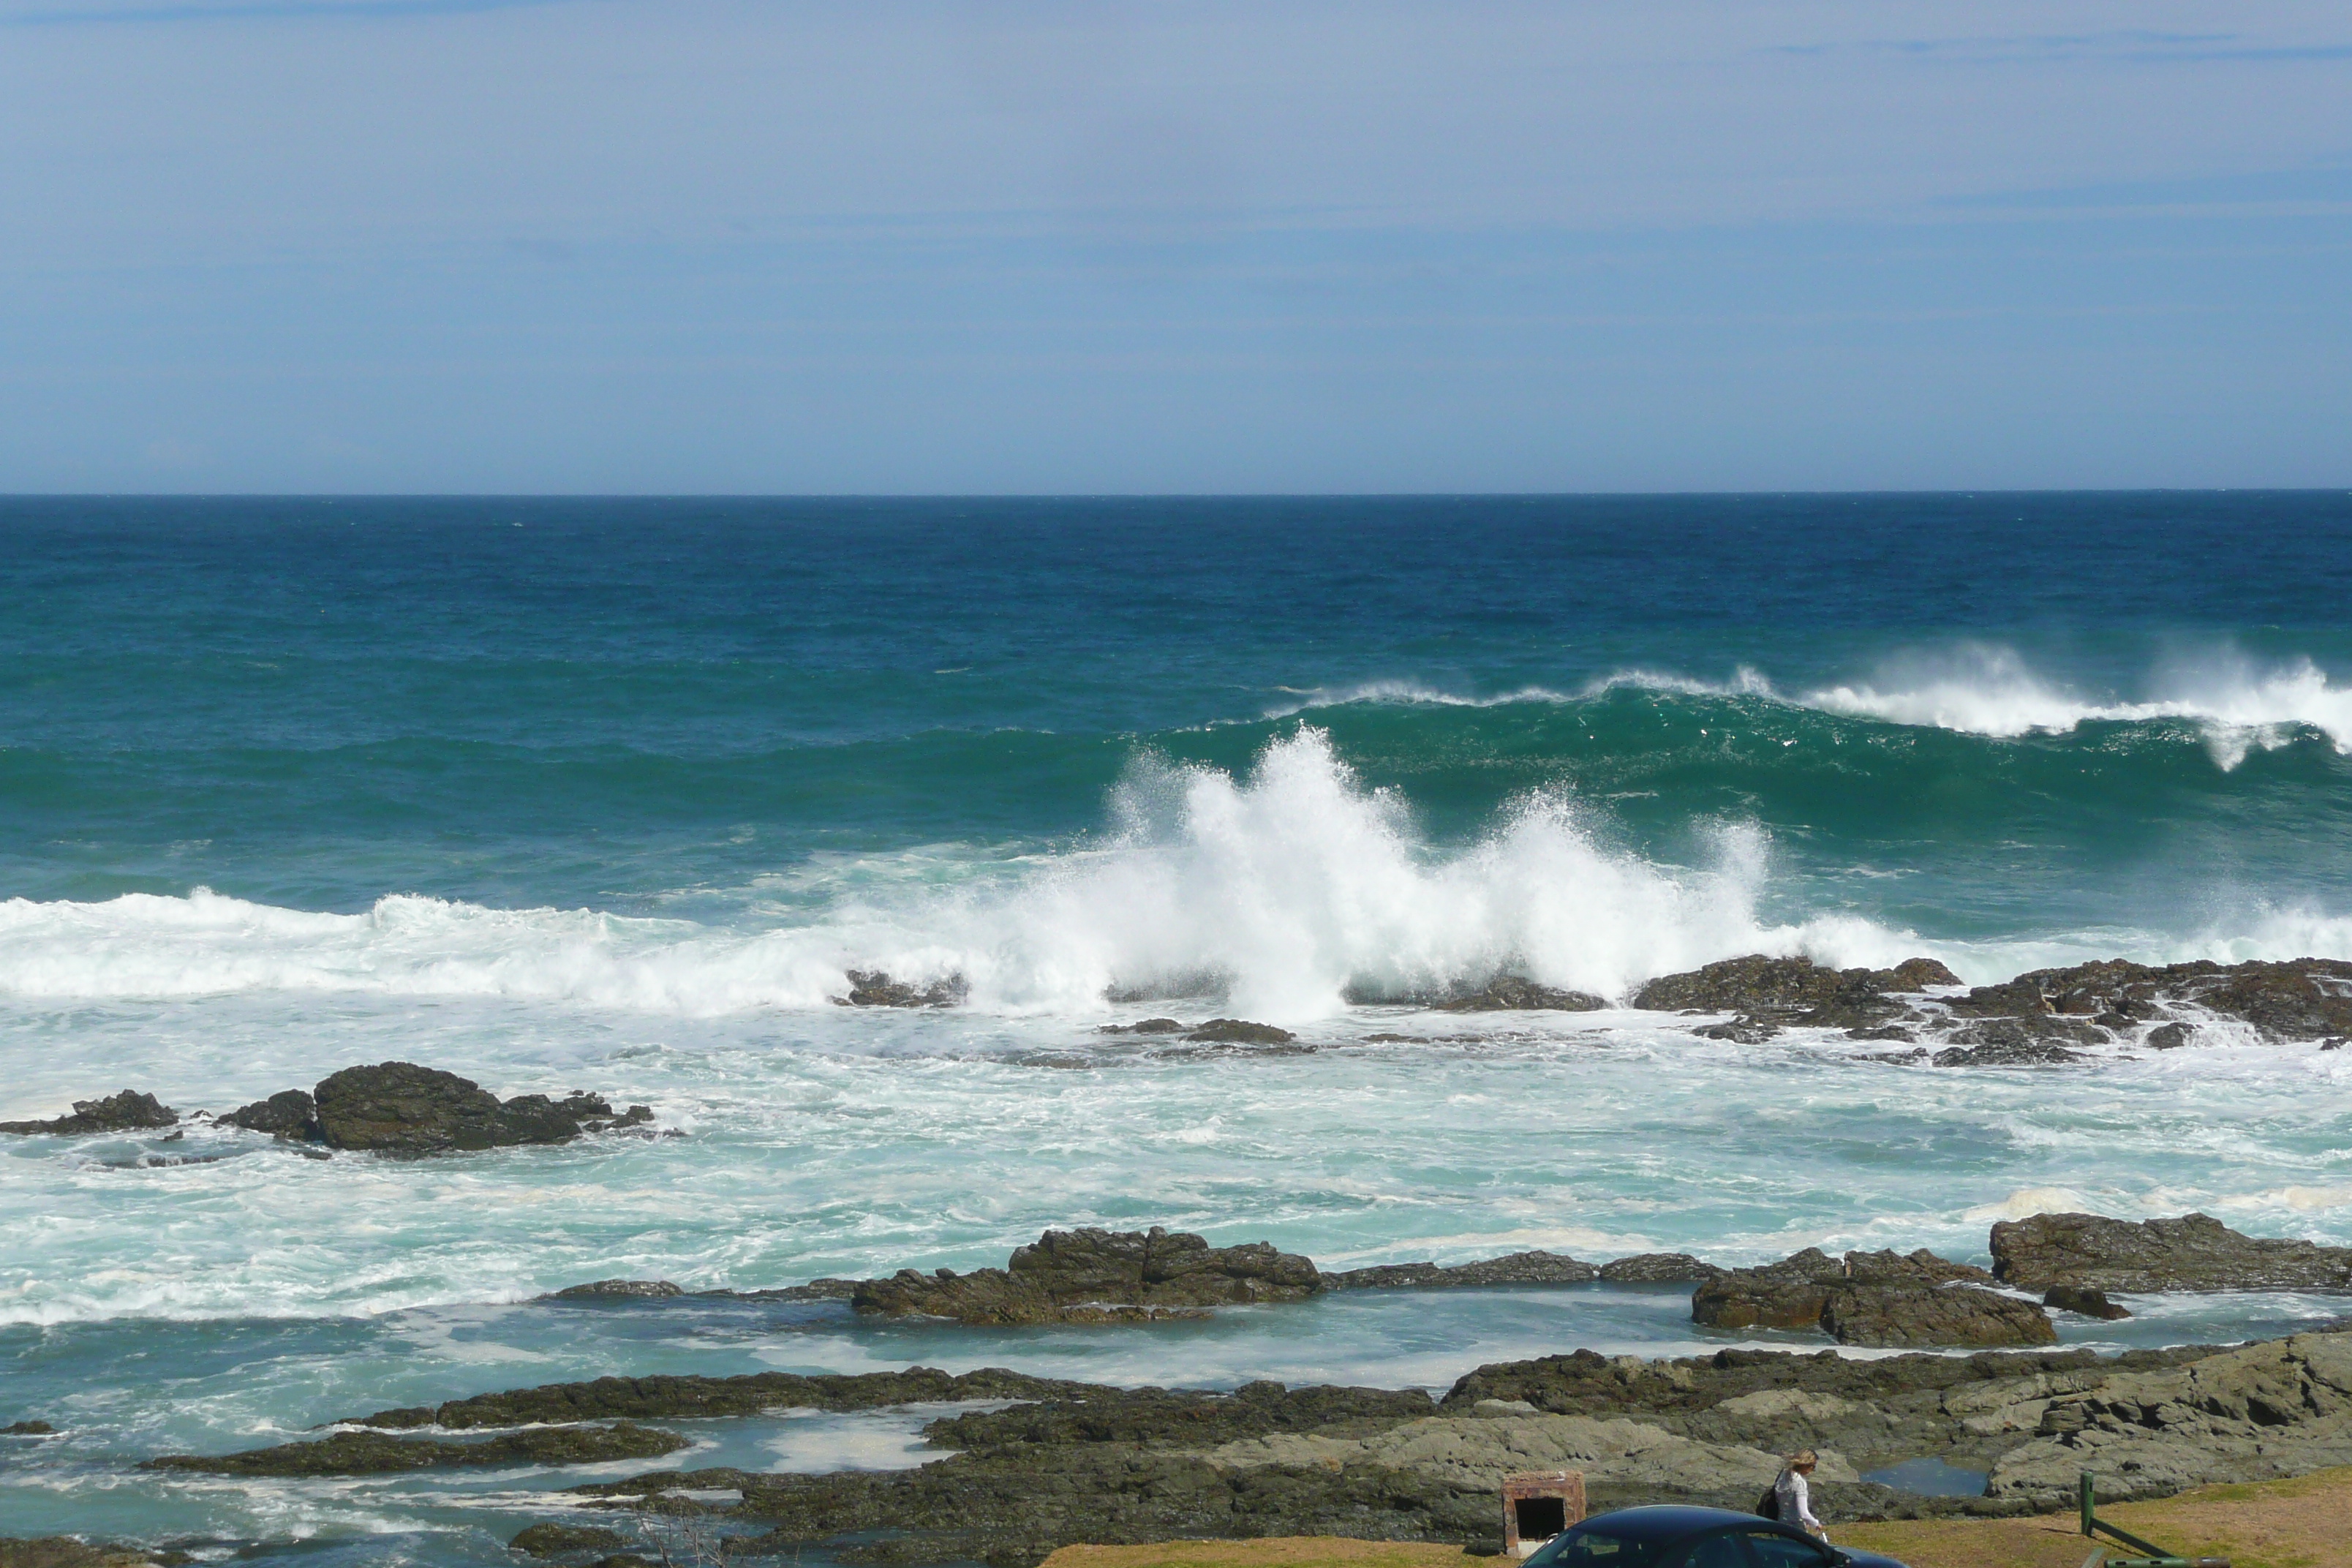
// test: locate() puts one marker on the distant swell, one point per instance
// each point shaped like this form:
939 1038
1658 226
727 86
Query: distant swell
2236 706
1282 888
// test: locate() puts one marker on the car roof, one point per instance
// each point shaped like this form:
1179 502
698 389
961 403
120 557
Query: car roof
1666 1520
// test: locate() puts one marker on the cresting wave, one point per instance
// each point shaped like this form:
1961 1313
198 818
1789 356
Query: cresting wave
1279 892
1988 692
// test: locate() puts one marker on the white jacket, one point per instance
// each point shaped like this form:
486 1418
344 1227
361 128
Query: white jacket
1796 1501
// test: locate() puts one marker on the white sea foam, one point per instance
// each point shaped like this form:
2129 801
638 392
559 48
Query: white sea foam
2237 705
1277 891
1287 887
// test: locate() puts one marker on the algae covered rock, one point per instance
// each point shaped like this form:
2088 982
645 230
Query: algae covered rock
128 1111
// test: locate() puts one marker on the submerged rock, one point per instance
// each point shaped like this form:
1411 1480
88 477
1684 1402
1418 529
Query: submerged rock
1515 992
873 989
125 1111
2083 1301
1658 1268
28 1429
1098 1276
374 1454
616 1291
1517 1268
400 1108
1145 1027
656 1398
1240 1032
555 1540
2193 1252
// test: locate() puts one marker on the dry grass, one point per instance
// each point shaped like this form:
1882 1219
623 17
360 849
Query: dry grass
2302 1523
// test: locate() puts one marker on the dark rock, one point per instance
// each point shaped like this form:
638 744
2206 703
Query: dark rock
2304 999
127 1111
1920 1267
1517 1268
372 1453
1098 1276
1513 993
290 1113
1794 990
616 1291
1788 1294
399 1108
1741 1031
1658 1268
28 1429
656 1398
814 1290
2167 1036
1896 1058
1945 1315
1144 1026
2193 1252
2083 1301
1193 1418
1240 1032
65 1552
2003 1043
873 988
555 1540
1877 1298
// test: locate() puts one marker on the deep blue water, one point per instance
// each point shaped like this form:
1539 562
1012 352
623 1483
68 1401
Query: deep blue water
612 794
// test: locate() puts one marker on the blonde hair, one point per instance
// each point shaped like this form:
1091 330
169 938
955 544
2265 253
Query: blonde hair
1802 1459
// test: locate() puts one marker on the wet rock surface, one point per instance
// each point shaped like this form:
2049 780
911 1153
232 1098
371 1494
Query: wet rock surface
2192 1252
675 1398
1514 993
1239 1032
290 1113
1658 1268
65 1552
555 1540
1098 1276
400 1108
617 1290
2083 1301
1517 1269
2043 1018
1874 1298
374 1454
128 1111
873 989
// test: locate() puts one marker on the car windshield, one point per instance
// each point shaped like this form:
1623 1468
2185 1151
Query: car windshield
1589 1548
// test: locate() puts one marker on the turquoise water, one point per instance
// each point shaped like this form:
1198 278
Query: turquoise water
609 795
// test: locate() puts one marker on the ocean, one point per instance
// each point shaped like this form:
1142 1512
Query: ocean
612 795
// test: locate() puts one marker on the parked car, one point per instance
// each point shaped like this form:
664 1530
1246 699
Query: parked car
1671 1536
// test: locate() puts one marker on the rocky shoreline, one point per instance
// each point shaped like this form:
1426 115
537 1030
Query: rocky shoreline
2045 1016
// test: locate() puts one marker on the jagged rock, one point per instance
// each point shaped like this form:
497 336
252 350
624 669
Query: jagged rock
1517 1268
873 988
2083 1301
616 1291
1098 1276
1658 1268
1739 1031
2304 999
1144 1026
372 1453
1795 991
1514 993
555 1540
28 1429
1179 1416
1876 1298
1240 1032
656 1398
2168 1036
126 1111
2283 1408
290 1113
1958 1315
65 1552
399 1108
2014 1042
2193 1252
1788 1294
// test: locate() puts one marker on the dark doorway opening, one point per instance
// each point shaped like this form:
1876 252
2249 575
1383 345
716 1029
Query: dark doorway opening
1540 1518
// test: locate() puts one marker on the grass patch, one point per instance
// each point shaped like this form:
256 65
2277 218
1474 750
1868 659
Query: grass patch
2306 1522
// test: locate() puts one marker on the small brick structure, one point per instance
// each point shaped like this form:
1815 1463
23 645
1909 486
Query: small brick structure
1538 1505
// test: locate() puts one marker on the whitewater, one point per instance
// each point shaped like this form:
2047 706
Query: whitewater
615 801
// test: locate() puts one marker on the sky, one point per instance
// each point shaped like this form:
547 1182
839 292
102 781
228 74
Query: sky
1047 246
